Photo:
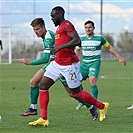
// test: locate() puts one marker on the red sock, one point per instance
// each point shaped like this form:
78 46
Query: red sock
88 98
44 100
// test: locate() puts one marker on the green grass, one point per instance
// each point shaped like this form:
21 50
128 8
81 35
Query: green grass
116 88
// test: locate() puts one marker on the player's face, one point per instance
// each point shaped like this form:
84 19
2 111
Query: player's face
39 31
89 29
55 17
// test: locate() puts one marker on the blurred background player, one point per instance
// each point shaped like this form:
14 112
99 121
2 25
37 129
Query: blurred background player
91 45
1 48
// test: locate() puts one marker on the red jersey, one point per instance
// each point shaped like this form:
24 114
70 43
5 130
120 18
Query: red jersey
65 56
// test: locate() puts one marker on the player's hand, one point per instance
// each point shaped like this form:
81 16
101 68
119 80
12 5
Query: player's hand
55 49
52 57
23 60
122 61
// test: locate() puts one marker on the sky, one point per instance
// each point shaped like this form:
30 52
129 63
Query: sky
117 15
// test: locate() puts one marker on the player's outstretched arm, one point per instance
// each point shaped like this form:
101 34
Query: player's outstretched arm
114 52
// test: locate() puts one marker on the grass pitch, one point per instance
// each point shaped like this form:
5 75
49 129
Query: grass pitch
115 86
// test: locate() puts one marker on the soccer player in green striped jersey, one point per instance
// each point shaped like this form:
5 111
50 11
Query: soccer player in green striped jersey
48 42
91 45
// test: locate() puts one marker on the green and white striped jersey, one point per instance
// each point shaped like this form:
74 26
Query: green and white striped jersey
91 47
48 44
48 41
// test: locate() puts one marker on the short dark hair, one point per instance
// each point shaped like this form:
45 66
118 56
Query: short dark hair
60 9
38 21
88 22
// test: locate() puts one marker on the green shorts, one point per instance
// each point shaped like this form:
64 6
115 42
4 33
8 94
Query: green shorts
63 81
44 68
88 69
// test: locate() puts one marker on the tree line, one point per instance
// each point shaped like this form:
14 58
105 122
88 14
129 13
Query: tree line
124 43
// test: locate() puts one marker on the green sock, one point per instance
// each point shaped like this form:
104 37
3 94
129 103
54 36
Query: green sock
81 87
34 93
94 91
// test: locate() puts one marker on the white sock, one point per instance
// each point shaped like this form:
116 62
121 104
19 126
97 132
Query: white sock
33 106
91 107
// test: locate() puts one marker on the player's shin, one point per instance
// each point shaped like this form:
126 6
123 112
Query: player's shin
44 100
94 91
34 93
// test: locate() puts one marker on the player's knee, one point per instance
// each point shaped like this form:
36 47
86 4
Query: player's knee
43 86
92 81
32 83
46 83
74 93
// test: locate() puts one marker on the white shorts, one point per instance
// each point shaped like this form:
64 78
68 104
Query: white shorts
71 73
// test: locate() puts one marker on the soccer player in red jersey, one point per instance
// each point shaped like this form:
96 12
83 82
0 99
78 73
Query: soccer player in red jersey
66 64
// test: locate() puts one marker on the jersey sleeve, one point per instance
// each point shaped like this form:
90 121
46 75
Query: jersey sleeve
69 28
43 60
105 43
